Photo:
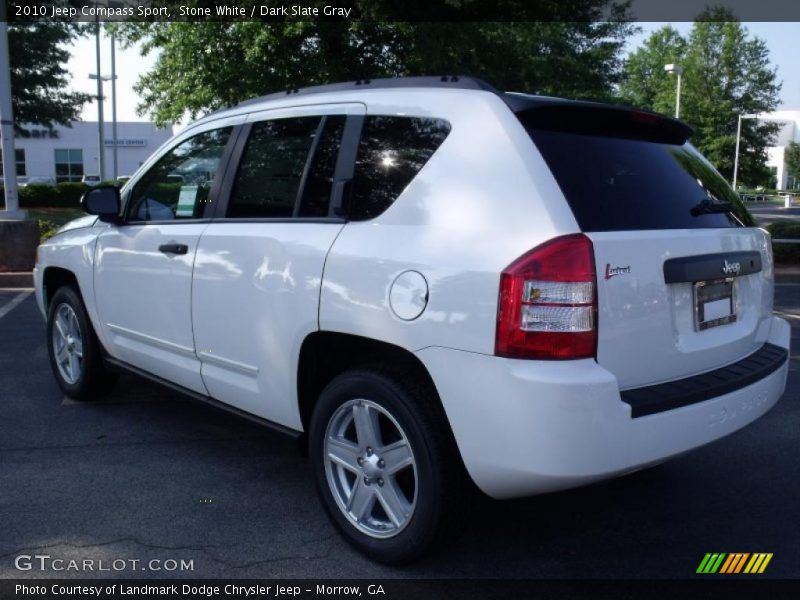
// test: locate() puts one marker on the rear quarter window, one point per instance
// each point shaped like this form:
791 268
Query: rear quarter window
391 152
618 183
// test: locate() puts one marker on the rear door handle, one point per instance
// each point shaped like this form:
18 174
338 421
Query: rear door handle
173 248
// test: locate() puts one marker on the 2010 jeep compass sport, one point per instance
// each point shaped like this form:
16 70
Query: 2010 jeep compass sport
435 282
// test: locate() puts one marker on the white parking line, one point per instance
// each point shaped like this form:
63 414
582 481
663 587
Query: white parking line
13 303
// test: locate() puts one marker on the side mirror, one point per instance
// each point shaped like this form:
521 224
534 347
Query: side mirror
103 201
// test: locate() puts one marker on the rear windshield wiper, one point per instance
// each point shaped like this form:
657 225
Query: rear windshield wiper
706 207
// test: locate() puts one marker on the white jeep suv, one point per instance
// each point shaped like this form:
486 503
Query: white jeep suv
432 284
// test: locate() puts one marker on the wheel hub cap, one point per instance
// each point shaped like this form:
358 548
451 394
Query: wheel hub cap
370 468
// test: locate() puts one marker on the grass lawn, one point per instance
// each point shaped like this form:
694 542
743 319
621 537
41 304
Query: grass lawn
59 216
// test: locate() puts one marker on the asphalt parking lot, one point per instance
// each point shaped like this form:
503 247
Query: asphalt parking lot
147 475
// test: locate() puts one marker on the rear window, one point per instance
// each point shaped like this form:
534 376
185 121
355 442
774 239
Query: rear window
621 183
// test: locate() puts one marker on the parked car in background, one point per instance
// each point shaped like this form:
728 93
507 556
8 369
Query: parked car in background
91 180
435 286
36 180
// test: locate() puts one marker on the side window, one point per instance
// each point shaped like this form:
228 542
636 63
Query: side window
178 185
391 152
271 168
319 183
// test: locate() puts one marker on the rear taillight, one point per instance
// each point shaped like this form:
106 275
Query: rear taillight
548 302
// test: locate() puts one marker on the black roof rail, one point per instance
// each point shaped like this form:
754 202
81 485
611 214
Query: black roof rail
432 81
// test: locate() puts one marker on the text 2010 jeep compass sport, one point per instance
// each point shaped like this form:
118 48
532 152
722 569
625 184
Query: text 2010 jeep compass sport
435 282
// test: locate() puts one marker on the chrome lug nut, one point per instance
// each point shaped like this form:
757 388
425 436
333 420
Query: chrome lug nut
381 463
367 480
380 482
369 451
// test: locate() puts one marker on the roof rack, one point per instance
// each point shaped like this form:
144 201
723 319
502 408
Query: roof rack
437 81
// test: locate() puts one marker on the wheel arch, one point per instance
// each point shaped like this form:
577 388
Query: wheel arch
54 278
326 354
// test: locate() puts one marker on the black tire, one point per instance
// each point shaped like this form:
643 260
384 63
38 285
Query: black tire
94 379
443 494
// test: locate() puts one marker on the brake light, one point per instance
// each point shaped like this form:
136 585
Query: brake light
548 302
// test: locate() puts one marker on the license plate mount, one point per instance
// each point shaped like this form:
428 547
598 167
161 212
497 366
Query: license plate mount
714 303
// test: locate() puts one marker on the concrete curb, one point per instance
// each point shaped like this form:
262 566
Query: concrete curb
16 280
18 242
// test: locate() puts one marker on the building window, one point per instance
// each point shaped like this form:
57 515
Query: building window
19 160
69 165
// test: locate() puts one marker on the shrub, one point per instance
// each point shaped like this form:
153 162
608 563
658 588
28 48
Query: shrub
63 195
34 196
71 193
785 253
47 229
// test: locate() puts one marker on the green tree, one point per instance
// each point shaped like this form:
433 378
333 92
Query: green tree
727 72
207 65
792 159
646 84
38 54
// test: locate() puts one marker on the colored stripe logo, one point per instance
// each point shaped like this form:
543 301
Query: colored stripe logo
734 562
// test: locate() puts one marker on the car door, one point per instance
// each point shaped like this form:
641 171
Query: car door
259 264
143 266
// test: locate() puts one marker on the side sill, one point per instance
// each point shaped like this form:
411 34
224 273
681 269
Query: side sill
119 365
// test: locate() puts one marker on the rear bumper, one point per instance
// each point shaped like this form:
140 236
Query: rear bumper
528 427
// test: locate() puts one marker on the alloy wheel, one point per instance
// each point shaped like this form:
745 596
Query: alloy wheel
370 468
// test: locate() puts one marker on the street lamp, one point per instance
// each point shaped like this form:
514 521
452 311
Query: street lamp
678 71
100 141
738 139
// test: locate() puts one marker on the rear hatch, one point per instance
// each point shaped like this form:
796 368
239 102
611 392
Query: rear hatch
684 286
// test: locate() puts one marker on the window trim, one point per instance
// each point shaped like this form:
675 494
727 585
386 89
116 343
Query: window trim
345 167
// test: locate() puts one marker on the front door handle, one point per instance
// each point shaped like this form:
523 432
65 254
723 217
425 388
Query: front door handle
173 248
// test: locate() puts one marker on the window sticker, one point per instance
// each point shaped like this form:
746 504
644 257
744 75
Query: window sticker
186 201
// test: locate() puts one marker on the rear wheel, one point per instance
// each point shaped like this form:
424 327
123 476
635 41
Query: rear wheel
75 354
385 465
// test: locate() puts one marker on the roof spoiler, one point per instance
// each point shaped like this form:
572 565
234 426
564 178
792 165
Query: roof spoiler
594 118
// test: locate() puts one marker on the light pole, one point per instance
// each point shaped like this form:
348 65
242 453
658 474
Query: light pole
112 79
114 103
678 71
738 139
101 162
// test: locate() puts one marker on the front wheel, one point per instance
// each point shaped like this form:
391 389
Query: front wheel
385 465
74 349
